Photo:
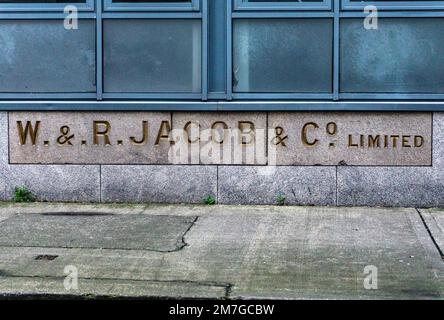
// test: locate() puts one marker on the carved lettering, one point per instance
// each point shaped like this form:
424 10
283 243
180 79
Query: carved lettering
419 141
287 139
190 130
28 130
65 137
332 128
101 129
164 132
246 129
279 139
214 130
144 138
395 141
406 142
374 141
304 137
350 142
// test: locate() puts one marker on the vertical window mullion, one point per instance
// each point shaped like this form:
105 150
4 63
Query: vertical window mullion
336 52
204 55
99 49
229 79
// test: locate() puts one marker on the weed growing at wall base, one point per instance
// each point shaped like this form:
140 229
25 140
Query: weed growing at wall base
280 200
209 201
22 194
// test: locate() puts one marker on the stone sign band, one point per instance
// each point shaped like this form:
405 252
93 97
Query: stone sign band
278 138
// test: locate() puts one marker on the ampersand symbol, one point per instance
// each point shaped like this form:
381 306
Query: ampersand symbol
64 138
279 139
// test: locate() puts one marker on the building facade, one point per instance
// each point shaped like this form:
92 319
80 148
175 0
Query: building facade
317 102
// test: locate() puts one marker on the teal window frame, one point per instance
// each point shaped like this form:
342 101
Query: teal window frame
225 98
393 5
110 5
240 5
87 6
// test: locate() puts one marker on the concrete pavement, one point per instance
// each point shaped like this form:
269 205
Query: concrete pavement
234 252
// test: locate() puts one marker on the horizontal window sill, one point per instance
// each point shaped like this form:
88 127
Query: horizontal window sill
222 106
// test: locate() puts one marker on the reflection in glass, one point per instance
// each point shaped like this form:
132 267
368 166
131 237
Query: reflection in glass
282 55
152 55
404 55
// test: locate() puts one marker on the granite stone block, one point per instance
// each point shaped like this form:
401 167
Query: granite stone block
89 137
48 182
397 186
228 138
263 185
351 138
158 184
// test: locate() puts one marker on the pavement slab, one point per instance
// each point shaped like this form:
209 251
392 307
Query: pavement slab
108 288
230 252
55 207
95 230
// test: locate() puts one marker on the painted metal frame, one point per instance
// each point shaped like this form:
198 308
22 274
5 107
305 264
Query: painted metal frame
250 106
288 5
87 5
110 5
336 100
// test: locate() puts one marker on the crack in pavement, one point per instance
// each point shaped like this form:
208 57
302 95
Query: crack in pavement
180 243
228 290
441 253
183 243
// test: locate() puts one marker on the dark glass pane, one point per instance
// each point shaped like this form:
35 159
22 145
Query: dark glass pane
282 55
40 56
154 1
153 55
361 1
42 1
282 0
404 55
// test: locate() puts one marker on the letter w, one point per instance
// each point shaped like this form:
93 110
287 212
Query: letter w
29 130
268 309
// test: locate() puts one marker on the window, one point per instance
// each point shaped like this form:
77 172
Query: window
40 56
153 49
282 5
198 50
404 55
282 55
152 5
165 56
44 5
42 1
393 4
